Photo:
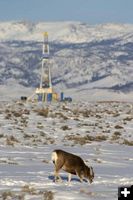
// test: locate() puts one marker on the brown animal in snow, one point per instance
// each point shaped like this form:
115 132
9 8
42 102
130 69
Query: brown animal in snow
72 164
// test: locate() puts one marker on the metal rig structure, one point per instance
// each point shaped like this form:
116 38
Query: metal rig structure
45 92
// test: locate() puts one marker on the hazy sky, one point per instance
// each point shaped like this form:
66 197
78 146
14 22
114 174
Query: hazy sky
90 11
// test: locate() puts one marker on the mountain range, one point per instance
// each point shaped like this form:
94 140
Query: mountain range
91 60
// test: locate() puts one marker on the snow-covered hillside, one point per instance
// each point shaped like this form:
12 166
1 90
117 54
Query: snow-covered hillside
84 58
71 32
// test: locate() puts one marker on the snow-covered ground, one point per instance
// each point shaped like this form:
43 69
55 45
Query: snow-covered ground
31 166
100 132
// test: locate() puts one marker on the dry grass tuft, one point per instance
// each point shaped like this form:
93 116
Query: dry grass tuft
127 142
118 127
7 194
128 118
43 112
65 127
48 195
85 139
28 189
11 140
116 135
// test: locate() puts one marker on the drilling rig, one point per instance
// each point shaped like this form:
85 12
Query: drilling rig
45 92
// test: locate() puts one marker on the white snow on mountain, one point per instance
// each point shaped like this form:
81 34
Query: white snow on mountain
83 57
73 32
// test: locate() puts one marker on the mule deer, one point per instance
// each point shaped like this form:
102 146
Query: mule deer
72 164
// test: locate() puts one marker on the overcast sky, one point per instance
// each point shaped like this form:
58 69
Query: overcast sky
89 11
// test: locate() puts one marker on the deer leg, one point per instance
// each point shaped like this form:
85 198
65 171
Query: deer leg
69 177
58 166
57 176
80 175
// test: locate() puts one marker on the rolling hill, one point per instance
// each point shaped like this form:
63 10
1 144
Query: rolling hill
94 61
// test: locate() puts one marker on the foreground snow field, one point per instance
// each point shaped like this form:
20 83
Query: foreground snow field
28 171
101 133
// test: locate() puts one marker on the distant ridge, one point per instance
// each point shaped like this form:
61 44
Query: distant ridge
83 57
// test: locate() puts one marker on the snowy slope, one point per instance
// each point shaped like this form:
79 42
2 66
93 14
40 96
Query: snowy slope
83 57
73 32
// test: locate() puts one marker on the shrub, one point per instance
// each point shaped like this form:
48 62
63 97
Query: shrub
17 113
85 139
116 135
118 127
43 112
7 194
128 118
28 189
48 195
127 142
100 138
10 140
65 127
